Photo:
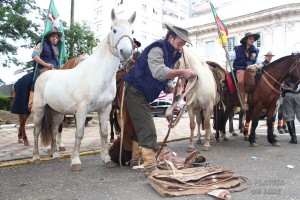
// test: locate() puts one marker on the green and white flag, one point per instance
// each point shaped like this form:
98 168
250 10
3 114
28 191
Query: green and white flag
53 22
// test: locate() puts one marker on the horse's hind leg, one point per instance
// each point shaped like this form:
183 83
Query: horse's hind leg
191 146
207 115
22 137
61 146
36 133
58 118
103 118
198 121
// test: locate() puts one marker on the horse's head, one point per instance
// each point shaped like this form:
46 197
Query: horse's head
120 36
294 70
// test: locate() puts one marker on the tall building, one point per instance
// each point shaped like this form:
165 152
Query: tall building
150 14
276 22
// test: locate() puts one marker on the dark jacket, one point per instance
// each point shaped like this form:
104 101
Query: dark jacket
242 61
265 63
140 75
47 54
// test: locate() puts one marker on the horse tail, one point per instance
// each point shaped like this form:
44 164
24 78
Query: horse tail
47 126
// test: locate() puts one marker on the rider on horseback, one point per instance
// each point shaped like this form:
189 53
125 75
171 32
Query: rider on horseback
45 58
245 55
144 82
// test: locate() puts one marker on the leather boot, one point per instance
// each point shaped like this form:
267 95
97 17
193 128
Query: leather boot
136 154
30 101
150 167
292 131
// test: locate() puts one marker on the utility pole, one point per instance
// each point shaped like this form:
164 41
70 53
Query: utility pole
71 25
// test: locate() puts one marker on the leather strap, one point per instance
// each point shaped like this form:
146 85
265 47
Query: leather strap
270 85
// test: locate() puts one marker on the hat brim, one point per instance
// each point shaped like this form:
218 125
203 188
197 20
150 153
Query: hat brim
178 33
244 39
269 55
59 34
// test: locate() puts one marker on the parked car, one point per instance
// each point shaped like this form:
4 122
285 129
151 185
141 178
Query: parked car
159 107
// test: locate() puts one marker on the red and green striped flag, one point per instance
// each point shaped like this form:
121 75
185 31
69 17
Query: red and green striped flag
223 33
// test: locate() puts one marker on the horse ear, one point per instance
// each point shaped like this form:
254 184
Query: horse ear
113 15
132 18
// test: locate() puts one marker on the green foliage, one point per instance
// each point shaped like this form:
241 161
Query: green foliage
16 29
79 38
4 103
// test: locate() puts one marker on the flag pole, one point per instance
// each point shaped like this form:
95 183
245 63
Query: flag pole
227 57
41 46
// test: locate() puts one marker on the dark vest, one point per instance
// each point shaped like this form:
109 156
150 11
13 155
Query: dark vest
140 75
242 61
47 54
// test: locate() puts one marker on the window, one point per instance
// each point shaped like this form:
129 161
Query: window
209 48
230 43
258 42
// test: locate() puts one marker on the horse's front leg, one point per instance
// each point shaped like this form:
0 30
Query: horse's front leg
191 146
207 115
103 118
252 132
80 124
36 134
198 121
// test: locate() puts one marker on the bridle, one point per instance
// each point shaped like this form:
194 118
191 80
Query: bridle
115 47
290 71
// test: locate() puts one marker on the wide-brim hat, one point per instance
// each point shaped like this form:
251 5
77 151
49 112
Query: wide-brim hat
269 54
244 39
137 43
53 32
180 32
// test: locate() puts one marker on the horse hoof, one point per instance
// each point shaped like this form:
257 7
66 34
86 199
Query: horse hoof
217 140
37 161
246 138
205 148
276 144
234 134
77 167
190 149
62 148
253 144
26 143
20 141
110 164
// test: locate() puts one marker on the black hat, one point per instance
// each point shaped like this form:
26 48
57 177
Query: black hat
137 43
180 32
53 32
244 39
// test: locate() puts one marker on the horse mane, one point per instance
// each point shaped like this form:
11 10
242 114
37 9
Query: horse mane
281 60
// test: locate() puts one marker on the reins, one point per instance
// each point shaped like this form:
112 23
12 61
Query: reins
290 70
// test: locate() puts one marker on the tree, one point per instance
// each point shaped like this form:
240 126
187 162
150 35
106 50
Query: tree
81 38
16 30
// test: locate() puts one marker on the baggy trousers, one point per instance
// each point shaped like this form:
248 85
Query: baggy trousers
141 117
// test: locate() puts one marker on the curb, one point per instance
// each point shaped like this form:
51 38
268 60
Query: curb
25 161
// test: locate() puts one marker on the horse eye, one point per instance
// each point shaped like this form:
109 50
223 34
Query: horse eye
114 31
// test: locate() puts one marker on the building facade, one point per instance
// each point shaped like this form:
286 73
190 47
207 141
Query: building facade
277 23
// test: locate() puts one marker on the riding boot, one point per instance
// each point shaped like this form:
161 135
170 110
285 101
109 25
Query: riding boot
284 127
30 101
136 154
292 131
150 167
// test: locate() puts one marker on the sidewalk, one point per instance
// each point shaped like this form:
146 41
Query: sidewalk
11 150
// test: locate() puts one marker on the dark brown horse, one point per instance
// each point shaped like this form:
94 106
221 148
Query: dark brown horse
22 137
267 92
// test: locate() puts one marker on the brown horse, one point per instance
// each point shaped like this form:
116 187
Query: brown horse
267 92
22 137
117 120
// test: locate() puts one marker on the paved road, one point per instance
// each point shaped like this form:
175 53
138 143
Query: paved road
268 177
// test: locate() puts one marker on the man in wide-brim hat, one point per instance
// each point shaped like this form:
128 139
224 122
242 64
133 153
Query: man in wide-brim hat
144 83
268 58
245 54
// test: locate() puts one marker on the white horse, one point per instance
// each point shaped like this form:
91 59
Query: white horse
91 86
203 98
